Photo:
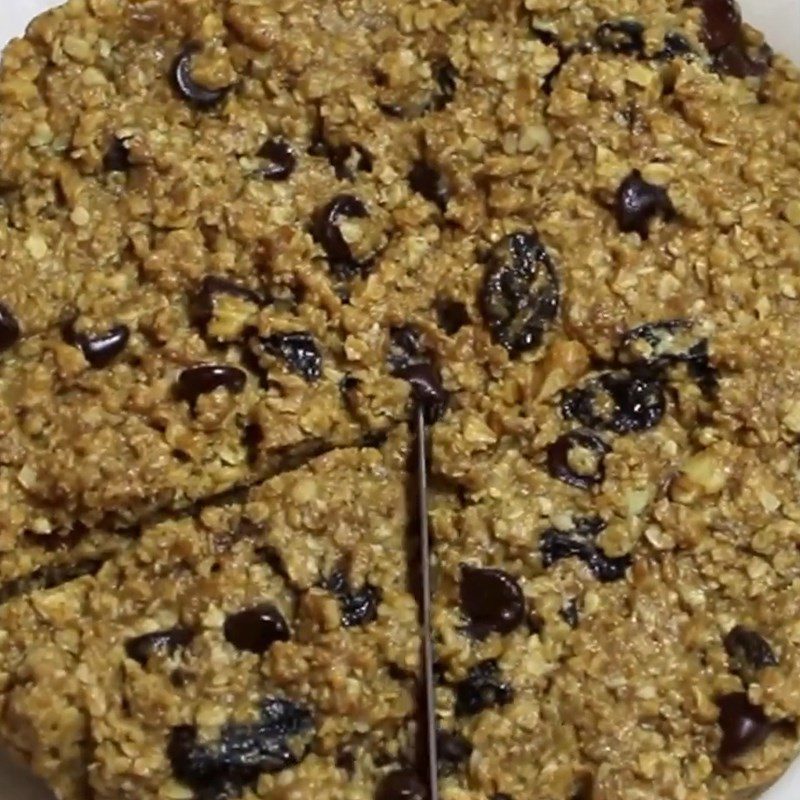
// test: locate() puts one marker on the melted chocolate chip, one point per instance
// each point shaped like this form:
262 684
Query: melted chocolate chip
492 600
98 349
243 751
298 349
9 328
638 202
625 36
143 647
202 304
621 402
358 606
519 297
427 389
326 233
428 181
256 629
452 749
483 688
201 97
282 160
401 784
580 542
117 158
570 613
748 650
196 381
561 467
744 725
452 315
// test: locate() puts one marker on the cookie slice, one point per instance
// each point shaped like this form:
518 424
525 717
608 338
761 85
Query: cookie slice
261 645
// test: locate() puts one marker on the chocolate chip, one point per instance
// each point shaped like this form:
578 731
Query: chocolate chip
622 402
298 349
452 749
625 36
358 606
242 752
98 349
199 96
638 202
282 160
196 381
562 468
570 613
580 542
202 304
402 784
483 688
452 315
117 158
168 641
722 23
748 650
492 600
519 297
428 181
326 233
9 328
427 389
744 725
256 629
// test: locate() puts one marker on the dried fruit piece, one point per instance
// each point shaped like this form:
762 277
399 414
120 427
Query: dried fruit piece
199 96
519 298
98 349
281 157
207 378
638 202
482 688
624 36
358 606
298 349
9 328
429 181
744 725
562 463
328 235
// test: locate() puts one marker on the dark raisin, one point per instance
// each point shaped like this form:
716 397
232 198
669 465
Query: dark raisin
445 74
744 725
740 62
638 202
346 760
401 784
675 46
298 349
358 606
722 23
452 750
748 651
452 315
202 304
201 97
98 349
282 160
243 751
428 181
570 613
621 402
117 157
483 688
580 542
196 381
520 297
143 647
326 233
625 36
9 328
256 629
563 468
347 159
405 347
492 600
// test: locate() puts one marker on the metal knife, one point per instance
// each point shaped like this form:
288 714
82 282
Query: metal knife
428 689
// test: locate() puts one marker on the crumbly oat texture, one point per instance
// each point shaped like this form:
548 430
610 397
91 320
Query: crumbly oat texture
239 238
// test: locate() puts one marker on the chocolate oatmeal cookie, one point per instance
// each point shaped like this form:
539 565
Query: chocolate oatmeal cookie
241 239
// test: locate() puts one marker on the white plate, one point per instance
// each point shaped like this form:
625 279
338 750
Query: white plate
779 19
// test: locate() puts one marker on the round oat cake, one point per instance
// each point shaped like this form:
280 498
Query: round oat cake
239 239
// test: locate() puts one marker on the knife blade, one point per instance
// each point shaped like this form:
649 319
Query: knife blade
427 730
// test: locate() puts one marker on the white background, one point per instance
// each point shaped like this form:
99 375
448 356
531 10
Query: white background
780 19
